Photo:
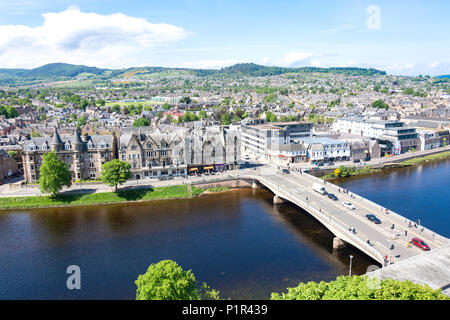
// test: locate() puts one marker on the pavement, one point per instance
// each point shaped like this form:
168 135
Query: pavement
431 268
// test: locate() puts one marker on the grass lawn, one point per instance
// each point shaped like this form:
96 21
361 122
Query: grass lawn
147 194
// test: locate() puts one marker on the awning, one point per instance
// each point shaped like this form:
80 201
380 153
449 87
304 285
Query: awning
208 168
193 169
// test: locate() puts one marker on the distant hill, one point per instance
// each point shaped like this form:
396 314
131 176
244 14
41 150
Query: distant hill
61 70
252 69
52 70
65 70
445 76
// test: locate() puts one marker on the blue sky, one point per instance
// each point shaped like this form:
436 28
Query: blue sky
401 37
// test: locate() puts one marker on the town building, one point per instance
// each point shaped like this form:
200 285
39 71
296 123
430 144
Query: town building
8 165
258 136
84 156
394 136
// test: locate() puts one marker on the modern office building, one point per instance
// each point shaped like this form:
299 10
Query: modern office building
394 136
257 137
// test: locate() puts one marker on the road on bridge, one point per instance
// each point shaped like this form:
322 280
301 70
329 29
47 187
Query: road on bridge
382 236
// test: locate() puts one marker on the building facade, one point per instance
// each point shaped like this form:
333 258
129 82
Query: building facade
83 156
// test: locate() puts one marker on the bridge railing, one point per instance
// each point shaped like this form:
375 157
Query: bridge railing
326 218
433 236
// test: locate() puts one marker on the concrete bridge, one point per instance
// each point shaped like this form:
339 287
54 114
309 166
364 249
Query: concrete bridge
385 239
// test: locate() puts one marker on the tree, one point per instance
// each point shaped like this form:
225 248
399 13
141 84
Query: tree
226 120
141 122
360 288
54 174
186 100
115 172
380 104
166 280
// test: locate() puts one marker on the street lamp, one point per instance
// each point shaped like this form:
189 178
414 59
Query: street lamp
350 269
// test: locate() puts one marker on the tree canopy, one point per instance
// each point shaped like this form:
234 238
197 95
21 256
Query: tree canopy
115 172
54 174
360 288
166 280
141 122
380 104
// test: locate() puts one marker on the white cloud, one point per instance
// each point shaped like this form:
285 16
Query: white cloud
210 64
295 57
74 36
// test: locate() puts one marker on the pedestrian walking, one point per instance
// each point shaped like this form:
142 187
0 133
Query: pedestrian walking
406 233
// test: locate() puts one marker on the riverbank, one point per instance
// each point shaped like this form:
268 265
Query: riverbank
364 171
121 196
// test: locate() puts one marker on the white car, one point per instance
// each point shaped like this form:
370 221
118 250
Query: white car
348 205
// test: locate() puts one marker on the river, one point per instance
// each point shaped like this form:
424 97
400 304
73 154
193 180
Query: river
238 241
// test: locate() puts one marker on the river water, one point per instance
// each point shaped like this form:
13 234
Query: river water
237 241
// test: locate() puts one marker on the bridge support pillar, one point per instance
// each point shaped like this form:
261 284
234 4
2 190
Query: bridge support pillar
277 200
338 243
255 185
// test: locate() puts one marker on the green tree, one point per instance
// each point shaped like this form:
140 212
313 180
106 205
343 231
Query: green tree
166 106
226 120
115 172
54 174
166 280
360 288
380 104
141 122
115 108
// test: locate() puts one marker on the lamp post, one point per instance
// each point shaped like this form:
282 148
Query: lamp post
350 269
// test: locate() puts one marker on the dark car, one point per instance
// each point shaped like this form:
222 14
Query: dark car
420 243
373 218
320 164
286 171
332 196
356 161
331 163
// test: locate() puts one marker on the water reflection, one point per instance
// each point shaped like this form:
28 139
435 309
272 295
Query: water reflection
238 242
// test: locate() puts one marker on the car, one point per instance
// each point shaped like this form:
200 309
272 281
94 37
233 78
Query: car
331 163
286 171
421 244
356 161
373 218
348 205
332 197
320 164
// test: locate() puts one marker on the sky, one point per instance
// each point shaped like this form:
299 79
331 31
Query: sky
401 37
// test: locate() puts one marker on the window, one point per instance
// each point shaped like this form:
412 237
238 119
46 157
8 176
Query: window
123 157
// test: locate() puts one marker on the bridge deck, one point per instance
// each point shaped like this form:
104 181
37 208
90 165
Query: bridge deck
338 219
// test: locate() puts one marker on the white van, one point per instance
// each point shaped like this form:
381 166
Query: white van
319 188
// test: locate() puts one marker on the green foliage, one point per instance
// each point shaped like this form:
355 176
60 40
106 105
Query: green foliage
9 112
186 100
115 172
226 120
270 117
360 288
270 98
166 106
54 174
380 104
189 116
166 280
141 122
35 134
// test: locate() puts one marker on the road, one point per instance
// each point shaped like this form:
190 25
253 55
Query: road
381 236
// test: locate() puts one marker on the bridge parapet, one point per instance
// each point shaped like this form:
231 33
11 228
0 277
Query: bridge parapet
423 230
333 224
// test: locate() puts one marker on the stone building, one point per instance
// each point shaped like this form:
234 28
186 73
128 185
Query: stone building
84 156
8 166
154 154
171 151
